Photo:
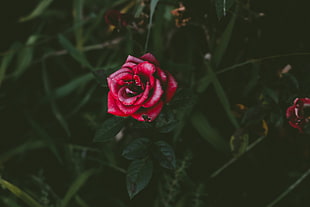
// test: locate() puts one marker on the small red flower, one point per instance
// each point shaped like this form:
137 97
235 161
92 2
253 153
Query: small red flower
296 113
140 88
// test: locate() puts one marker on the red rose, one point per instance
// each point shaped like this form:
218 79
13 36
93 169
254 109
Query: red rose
140 88
296 113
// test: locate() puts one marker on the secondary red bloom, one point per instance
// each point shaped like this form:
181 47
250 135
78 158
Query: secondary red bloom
140 88
296 113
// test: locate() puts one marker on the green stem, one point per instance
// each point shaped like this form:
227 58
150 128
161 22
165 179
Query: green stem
255 60
19 193
290 189
233 160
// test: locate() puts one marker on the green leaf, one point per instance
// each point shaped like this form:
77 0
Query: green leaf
184 99
166 121
109 129
101 77
77 55
78 6
239 142
41 7
76 185
32 145
139 174
165 155
62 121
7 59
222 6
223 43
222 96
268 92
10 201
45 136
208 133
137 149
152 11
71 86
19 193
25 56
83 101
204 83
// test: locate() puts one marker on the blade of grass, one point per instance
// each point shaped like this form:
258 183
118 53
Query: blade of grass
290 189
76 186
7 59
32 145
224 41
40 8
45 136
70 87
222 96
25 56
222 6
84 101
233 160
55 109
8 201
208 133
78 17
19 193
80 201
76 54
152 11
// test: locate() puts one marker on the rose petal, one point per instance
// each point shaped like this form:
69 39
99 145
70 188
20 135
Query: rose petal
302 101
149 113
127 100
134 59
122 70
112 106
129 65
150 58
293 113
144 96
146 70
157 94
127 110
171 87
162 75
118 81
290 112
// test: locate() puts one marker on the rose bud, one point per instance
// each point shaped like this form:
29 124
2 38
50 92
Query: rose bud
140 88
296 113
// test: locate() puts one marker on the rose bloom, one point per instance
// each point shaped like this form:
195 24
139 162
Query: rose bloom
140 88
296 113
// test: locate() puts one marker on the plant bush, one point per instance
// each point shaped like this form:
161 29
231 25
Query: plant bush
154 103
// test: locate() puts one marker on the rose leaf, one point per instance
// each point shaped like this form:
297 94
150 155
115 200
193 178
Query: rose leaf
109 129
164 153
137 149
139 174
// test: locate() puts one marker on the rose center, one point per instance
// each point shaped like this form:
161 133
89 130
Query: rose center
133 90
306 112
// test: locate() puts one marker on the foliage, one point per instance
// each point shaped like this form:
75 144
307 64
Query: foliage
223 140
